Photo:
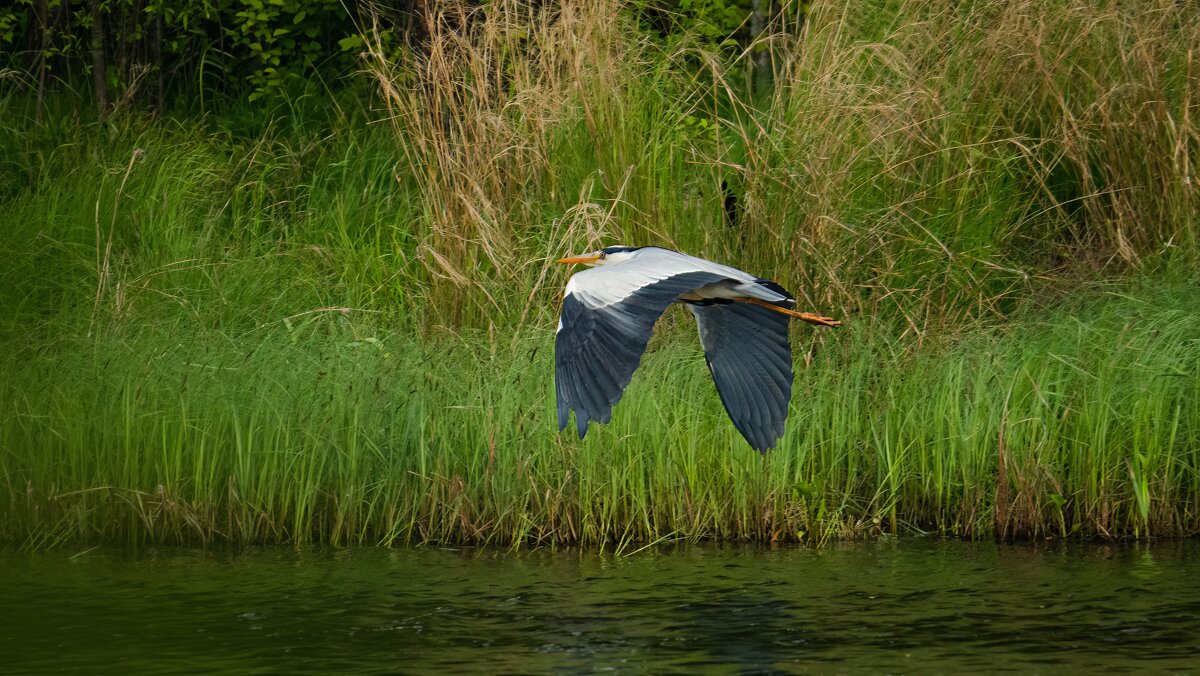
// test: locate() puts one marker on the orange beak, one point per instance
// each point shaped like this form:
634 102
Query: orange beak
588 258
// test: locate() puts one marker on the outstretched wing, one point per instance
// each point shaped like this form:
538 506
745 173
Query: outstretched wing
747 350
608 314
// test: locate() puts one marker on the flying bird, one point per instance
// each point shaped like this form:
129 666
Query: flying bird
609 311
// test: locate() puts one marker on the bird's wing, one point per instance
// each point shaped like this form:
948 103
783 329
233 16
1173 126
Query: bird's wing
608 314
747 350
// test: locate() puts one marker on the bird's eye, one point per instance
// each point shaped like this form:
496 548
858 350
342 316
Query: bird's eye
603 255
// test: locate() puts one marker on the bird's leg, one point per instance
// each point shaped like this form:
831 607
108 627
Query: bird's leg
809 317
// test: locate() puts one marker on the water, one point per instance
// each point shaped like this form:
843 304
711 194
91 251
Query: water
907 605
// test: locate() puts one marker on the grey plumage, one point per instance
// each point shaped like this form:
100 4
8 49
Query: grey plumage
598 349
748 354
609 312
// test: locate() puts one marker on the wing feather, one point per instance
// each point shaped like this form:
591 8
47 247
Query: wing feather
748 354
608 315
766 375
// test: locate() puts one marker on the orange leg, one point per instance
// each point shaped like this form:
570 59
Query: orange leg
802 316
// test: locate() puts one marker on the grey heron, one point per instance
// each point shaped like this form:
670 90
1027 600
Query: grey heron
609 311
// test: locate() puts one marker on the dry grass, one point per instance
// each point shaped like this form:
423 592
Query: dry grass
481 117
915 160
935 160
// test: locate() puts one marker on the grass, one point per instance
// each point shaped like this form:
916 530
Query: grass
336 429
332 320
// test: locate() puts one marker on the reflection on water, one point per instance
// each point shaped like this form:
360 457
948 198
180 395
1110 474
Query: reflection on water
906 605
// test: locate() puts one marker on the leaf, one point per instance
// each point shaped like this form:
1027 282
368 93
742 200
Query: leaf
350 42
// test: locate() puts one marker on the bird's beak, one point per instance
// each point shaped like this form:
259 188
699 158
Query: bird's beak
586 258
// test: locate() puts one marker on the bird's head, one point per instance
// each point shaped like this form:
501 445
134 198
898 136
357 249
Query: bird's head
605 256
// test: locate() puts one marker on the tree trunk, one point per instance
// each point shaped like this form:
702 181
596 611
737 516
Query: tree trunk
121 37
98 66
42 17
160 76
758 30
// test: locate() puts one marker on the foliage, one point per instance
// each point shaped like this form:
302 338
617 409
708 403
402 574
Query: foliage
330 317
236 48
713 20
247 49
284 34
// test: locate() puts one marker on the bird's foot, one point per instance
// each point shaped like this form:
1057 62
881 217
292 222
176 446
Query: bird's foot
812 318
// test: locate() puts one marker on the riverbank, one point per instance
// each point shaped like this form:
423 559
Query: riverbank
1082 420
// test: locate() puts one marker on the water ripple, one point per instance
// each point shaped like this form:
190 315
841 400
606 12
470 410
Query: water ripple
908 605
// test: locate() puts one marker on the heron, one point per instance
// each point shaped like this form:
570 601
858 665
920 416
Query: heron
609 312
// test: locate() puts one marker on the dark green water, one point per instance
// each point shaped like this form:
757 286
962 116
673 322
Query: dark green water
899 606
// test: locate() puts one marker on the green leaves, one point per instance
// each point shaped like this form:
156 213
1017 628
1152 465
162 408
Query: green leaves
242 48
285 37
11 19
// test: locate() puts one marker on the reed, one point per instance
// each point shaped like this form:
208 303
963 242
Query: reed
916 160
303 325
337 429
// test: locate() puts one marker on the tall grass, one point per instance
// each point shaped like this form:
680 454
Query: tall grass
336 429
920 160
934 160
334 322
527 129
